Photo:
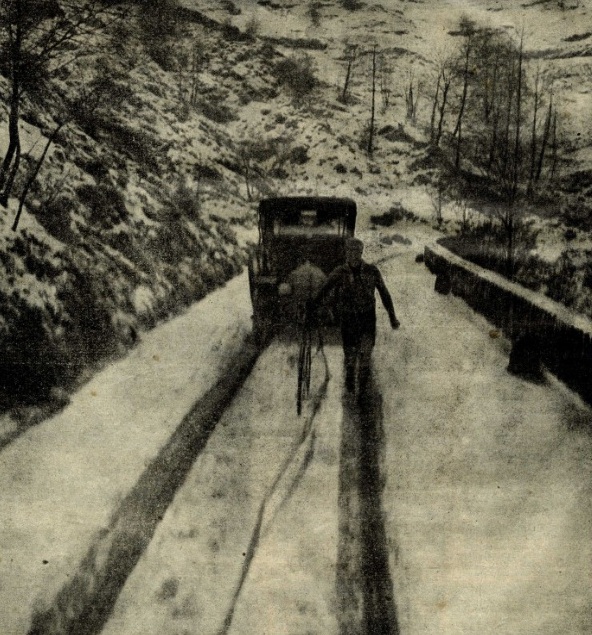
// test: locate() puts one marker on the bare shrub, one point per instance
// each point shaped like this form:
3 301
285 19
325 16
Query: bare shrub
351 5
297 74
252 28
216 110
105 203
161 24
184 202
55 217
395 214
314 12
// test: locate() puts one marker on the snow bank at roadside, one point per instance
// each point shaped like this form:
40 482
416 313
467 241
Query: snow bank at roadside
63 480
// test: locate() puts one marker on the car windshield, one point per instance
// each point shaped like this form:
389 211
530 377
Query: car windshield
309 221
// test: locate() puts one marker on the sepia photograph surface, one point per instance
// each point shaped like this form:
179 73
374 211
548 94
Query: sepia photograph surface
295 317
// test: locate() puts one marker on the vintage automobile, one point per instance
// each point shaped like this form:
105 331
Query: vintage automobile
290 230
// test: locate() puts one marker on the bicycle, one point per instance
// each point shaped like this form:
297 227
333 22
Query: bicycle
304 319
310 323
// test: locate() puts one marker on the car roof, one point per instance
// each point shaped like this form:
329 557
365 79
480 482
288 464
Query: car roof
282 204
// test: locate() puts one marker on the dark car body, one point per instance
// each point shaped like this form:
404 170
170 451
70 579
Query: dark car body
290 230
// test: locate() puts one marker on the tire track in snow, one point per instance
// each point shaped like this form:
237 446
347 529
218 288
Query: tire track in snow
285 483
366 604
85 602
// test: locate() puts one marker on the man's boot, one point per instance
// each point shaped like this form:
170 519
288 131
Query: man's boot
350 376
350 380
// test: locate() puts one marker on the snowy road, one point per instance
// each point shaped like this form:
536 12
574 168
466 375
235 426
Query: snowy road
455 500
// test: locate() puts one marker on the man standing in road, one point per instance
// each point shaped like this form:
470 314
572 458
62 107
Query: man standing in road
355 283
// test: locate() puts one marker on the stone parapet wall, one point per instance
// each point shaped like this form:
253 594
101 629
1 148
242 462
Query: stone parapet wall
538 327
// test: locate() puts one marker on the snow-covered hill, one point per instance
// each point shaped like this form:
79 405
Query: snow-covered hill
143 204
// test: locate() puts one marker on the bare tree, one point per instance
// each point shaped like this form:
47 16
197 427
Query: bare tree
370 147
468 29
440 101
91 97
437 198
385 80
411 96
350 55
545 139
193 64
464 214
262 160
38 38
554 146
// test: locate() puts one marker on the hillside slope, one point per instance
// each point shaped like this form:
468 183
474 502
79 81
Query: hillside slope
146 202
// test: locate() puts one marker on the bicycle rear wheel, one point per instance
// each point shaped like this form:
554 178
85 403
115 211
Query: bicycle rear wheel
304 365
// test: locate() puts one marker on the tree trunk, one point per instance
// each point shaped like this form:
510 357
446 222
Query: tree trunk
12 156
373 104
350 64
517 140
533 139
5 195
463 101
33 176
545 140
510 254
494 137
458 145
442 110
434 107
554 146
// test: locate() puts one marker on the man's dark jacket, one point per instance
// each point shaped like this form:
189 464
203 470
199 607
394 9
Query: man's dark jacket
355 288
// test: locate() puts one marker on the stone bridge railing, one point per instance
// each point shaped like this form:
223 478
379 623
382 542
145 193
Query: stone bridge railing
542 332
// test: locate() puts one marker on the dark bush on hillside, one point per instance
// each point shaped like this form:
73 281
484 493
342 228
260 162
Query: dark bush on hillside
486 246
55 217
312 44
184 203
297 74
161 22
135 144
577 213
229 6
33 73
395 214
570 234
163 54
97 169
231 32
129 246
36 257
216 111
45 345
87 310
105 203
31 363
351 5
161 17
577 181
299 155
571 280
207 173
397 134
